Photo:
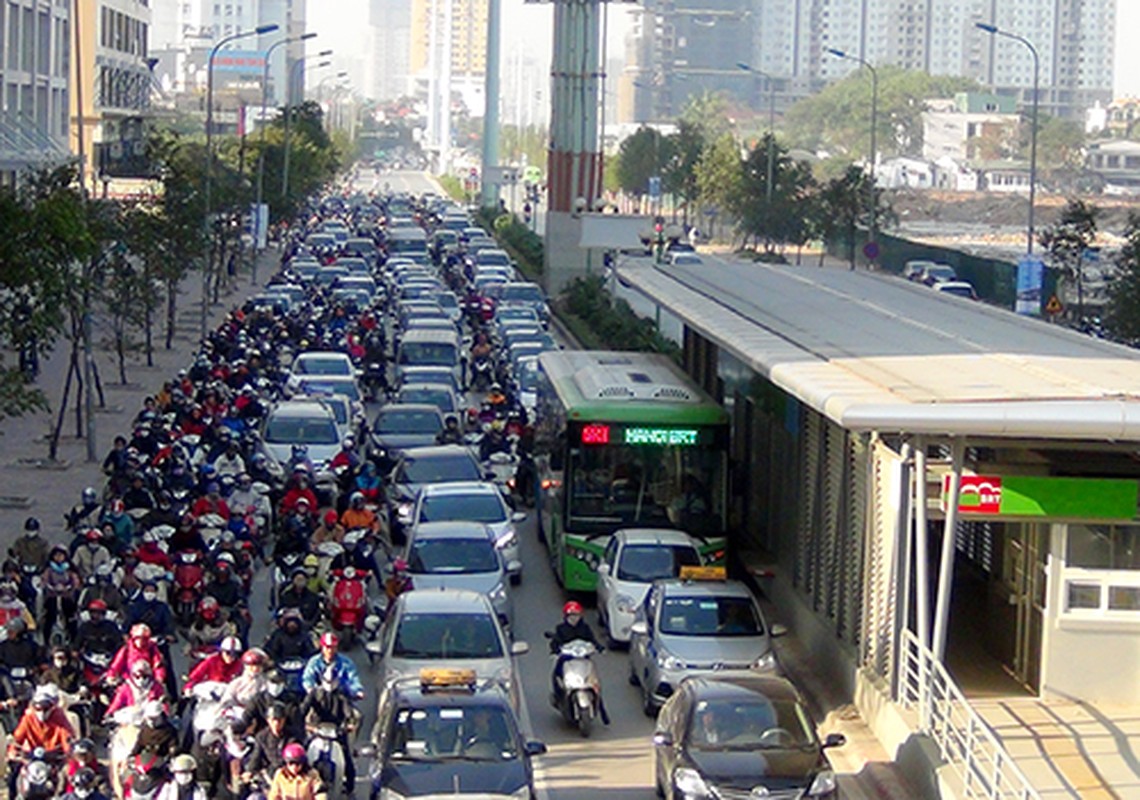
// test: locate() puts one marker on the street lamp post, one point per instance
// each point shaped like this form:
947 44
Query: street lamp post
771 124
874 126
261 128
288 108
258 31
994 30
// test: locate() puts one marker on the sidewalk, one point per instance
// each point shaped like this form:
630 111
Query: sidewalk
31 488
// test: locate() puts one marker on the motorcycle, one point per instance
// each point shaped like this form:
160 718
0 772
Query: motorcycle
39 775
291 670
283 567
95 667
189 580
579 689
349 605
327 757
482 373
375 381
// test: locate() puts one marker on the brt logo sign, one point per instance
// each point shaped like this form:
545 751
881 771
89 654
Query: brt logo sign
977 494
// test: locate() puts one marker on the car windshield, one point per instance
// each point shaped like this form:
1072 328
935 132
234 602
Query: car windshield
440 398
453 556
408 421
482 507
343 388
707 615
439 469
436 733
960 291
447 636
301 430
340 411
522 294
427 353
645 563
751 724
323 366
941 273
486 259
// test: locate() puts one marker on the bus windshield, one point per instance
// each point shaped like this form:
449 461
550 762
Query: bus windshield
662 485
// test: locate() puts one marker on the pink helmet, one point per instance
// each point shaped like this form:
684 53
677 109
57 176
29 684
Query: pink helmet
293 753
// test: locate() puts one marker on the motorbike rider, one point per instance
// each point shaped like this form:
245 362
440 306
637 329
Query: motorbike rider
43 724
572 627
297 491
163 513
90 554
368 481
83 757
30 550
122 527
450 433
139 647
328 705
247 501
298 595
296 528
101 586
157 735
211 503
343 669
86 512
330 529
182 785
225 587
139 688
97 634
222 666
296 780
230 461
347 458
20 650
357 515
137 495
12 607
251 682
147 609
60 586
209 626
271 740
62 671
290 640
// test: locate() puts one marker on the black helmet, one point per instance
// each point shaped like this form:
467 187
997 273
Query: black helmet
84 778
31 524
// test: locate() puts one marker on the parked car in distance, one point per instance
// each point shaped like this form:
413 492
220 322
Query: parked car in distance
957 288
937 273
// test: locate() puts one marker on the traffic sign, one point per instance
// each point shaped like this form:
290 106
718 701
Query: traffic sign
655 187
871 250
1054 306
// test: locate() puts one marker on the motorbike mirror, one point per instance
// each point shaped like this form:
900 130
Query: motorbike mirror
519 648
488 475
639 628
518 516
514 567
603 569
663 739
548 634
374 648
367 751
778 630
834 740
534 748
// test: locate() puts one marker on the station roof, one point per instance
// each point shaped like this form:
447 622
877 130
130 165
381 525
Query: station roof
876 352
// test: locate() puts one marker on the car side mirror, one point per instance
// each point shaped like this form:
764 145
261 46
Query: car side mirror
603 569
639 628
663 739
518 516
534 748
834 740
519 648
778 630
514 567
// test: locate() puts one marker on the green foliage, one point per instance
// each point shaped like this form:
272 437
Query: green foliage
603 323
453 187
784 218
1068 238
719 174
523 145
843 205
838 119
1123 313
686 147
640 157
524 245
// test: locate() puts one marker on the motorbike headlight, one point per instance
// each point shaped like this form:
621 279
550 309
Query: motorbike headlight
404 511
765 663
625 604
824 784
667 660
507 539
689 783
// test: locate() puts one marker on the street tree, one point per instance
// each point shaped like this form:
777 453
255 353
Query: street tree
1123 317
640 158
844 205
776 216
719 176
1067 241
685 148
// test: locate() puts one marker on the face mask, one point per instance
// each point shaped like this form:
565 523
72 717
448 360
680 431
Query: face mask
183 778
92 545
82 792
60 663
43 714
59 566
143 683
275 689
150 597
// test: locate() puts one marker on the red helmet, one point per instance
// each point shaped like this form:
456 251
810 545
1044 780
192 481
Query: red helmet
293 753
572 607
208 608
330 518
329 639
97 605
140 630
230 644
255 656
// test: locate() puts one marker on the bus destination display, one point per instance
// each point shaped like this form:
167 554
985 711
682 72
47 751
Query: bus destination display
603 433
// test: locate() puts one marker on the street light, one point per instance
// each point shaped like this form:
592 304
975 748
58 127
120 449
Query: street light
262 126
321 83
288 108
874 124
258 31
771 125
996 31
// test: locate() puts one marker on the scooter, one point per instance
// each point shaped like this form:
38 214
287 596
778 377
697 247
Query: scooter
578 695
327 757
349 605
38 776
189 580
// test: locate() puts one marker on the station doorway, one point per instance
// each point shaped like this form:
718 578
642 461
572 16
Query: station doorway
997 608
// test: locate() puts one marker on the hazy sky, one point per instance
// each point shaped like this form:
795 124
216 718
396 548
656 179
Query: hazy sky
528 26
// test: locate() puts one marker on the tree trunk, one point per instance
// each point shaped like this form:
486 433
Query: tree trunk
148 325
57 429
121 354
98 383
171 312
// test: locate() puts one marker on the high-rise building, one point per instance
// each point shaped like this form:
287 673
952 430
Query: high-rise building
34 105
789 40
389 70
463 43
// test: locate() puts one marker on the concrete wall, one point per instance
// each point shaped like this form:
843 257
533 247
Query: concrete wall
563 259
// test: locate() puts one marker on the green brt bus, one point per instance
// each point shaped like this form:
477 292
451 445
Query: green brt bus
625 440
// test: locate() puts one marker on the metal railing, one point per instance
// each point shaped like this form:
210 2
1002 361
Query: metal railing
965 741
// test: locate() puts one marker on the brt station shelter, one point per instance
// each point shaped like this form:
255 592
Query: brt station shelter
943 490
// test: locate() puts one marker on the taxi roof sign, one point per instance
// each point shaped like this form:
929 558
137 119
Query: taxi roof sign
703 574
439 678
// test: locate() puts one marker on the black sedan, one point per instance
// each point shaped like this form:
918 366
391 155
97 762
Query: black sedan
740 737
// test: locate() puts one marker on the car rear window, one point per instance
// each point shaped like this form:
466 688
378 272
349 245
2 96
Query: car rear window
707 615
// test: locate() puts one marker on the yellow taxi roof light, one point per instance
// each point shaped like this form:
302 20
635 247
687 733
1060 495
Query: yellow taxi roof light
703 573
447 678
